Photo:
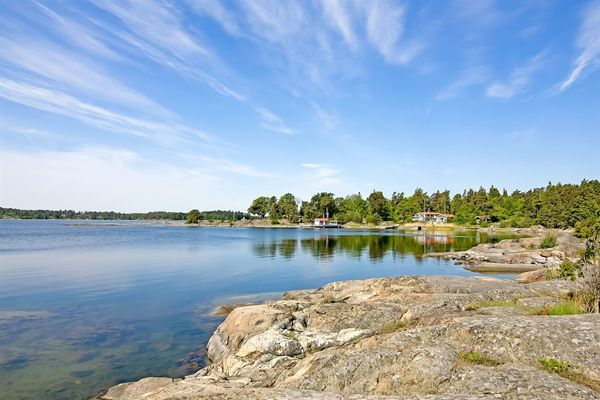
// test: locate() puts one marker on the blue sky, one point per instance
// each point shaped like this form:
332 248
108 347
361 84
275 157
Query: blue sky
172 105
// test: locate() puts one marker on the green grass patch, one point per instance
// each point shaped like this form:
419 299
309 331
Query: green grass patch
391 327
567 307
548 242
568 371
555 366
474 357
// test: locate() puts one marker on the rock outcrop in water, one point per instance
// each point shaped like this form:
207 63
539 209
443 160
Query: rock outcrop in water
517 255
397 338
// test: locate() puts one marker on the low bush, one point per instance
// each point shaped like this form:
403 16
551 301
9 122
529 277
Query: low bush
569 270
548 242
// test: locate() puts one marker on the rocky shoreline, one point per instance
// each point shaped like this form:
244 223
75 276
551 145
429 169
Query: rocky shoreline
428 337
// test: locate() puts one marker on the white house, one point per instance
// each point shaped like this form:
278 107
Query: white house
432 217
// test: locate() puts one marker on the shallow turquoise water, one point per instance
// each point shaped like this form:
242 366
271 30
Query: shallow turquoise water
116 301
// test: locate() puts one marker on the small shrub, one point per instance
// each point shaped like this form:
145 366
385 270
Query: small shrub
530 246
569 270
548 242
474 357
391 327
328 299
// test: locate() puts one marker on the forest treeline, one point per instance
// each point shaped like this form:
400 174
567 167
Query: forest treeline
221 215
553 206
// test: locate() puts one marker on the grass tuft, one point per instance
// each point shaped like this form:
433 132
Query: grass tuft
555 366
474 357
491 303
391 327
548 242
328 299
567 307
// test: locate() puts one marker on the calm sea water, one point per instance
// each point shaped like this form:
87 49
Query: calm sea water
85 305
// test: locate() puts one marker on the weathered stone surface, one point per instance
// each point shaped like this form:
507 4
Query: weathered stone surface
402 337
136 390
242 323
514 382
205 389
536 275
501 267
271 342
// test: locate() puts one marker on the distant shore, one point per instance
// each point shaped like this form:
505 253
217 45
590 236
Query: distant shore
283 224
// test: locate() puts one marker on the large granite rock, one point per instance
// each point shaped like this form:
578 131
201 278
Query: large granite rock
401 337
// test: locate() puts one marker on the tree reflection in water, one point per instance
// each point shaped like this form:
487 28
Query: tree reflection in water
373 246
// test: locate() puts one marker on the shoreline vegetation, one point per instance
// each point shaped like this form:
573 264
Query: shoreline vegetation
414 337
554 206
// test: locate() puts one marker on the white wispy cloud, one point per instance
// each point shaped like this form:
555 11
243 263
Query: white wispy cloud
61 103
157 31
326 118
273 122
588 41
70 71
519 79
162 37
77 33
339 16
385 26
216 10
322 174
469 77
